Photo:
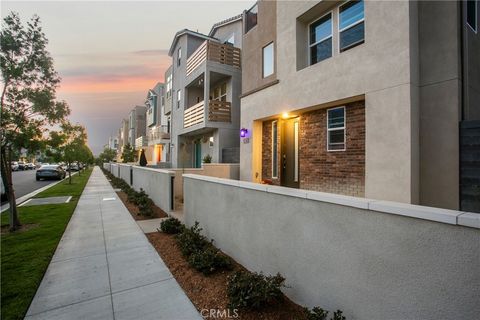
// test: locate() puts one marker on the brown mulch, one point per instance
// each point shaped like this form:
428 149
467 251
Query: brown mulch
210 292
133 209
24 227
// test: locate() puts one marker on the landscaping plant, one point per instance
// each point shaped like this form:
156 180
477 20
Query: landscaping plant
144 203
209 260
190 240
253 290
171 226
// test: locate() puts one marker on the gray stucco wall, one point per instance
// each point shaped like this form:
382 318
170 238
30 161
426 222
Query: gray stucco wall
156 183
125 172
374 264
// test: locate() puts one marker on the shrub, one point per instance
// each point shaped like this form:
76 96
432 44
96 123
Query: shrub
144 203
209 260
190 240
253 290
171 226
132 196
207 159
316 313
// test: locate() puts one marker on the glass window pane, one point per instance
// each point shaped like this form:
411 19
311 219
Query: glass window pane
274 149
336 118
472 14
321 29
321 51
352 36
268 60
251 19
336 136
351 13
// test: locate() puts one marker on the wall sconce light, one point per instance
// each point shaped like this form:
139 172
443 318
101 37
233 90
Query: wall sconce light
243 133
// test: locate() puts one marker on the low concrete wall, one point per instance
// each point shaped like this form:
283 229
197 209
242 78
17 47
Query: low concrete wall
125 172
374 260
218 170
157 184
114 169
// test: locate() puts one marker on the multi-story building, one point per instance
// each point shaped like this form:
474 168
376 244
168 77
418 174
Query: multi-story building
137 127
113 142
360 98
158 126
202 94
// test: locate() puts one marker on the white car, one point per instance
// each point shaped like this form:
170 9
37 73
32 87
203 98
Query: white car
15 166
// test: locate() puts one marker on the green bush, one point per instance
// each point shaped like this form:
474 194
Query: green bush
209 260
171 226
144 203
318 313
253 290
190 240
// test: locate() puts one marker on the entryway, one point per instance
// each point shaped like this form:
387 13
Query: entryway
198 154
289 153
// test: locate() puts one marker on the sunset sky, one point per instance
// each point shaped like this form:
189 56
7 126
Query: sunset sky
110 53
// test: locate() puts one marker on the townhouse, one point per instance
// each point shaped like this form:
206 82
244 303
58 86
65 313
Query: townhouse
137 127
203 86
362 98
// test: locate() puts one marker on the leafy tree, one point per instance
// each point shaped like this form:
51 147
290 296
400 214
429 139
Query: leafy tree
143 159
128 154
107 155
28 102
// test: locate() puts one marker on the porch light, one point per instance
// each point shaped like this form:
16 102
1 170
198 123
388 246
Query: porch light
243 133
285 115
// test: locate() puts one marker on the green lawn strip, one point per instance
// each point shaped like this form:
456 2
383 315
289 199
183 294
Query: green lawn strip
25 255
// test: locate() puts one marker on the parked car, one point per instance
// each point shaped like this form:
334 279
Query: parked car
74 167
14 166
31 166
22 165
50 172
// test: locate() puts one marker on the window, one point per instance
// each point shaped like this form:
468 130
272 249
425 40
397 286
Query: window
274 149
169 85
351 24
231 40
295 131
336 129
219 92
179 98
268 63
320 41
210 142
251 18
472 14
179 56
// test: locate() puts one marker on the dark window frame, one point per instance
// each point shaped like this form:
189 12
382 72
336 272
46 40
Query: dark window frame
311 45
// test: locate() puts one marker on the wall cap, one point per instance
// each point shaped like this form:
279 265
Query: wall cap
171 173
454 217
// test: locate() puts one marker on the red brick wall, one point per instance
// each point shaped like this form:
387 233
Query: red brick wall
341 172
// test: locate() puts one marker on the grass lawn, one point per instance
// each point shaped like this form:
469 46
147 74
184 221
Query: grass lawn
25 255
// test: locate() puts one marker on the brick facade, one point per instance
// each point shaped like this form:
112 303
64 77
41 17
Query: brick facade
341 172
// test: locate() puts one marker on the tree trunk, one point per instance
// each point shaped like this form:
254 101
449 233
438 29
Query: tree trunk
6 170
69 173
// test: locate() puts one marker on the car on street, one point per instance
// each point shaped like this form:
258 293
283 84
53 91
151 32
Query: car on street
50 172
31 166
22 165
14 165
74 167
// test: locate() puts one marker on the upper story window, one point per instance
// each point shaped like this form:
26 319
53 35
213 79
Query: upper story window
231 40
472 14
179 98
320 40
169 86
251 18
179 56
268 60
220 92
336 129
351 24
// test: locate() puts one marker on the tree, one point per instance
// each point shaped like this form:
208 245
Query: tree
128 154
143 159
28 102
107 155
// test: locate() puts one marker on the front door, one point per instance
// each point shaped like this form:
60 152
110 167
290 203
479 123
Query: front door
198 154
289 149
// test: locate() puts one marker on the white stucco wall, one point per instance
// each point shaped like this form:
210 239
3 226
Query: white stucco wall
371 259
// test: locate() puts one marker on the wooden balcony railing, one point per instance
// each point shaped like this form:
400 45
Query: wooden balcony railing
218 111
217 52
141 142
158 133
193 115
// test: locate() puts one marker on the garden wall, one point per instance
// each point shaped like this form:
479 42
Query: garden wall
372 259
125 172
157 183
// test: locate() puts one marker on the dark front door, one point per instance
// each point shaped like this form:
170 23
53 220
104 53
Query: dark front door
198 154
289 149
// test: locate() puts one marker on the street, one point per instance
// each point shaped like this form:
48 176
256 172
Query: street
24 182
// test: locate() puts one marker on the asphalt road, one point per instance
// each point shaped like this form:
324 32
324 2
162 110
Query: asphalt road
24 182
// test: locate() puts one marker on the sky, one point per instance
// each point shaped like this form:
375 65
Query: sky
110 53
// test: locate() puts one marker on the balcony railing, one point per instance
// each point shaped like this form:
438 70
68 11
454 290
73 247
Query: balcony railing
217 52
218 111
141 142
158 133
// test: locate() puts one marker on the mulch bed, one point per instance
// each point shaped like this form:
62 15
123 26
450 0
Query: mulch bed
133 209
211 292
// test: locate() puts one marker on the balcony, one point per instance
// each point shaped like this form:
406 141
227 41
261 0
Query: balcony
218 111
158 134
216 52
141 142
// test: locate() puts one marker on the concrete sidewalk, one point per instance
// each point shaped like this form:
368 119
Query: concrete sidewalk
105 268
